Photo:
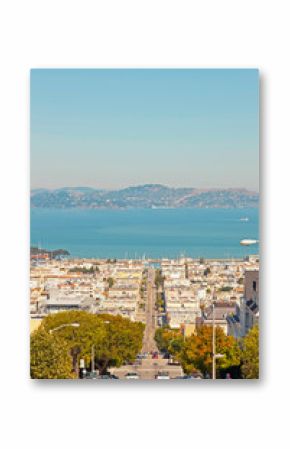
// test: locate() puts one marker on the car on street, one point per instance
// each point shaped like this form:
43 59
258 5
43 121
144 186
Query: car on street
162 375
90 375
132 376
107 376
136 362
188 376
95 376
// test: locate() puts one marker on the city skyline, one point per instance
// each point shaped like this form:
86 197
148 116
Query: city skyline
111 129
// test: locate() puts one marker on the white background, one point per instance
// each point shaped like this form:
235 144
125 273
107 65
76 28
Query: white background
144 34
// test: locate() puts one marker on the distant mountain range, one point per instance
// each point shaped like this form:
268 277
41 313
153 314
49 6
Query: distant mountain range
151 196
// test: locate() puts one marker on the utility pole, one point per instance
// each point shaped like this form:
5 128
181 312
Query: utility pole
93 359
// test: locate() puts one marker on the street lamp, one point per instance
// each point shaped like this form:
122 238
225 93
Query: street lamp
74 351
64 325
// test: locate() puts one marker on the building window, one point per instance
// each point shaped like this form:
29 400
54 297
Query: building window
254 286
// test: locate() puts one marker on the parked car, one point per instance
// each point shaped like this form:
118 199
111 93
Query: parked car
162 375
91 375
132 376
191 377
107 376
197 375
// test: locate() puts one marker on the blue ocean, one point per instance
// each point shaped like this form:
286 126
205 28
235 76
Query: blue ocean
155 233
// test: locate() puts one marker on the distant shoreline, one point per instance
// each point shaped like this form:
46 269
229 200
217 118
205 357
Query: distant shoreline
148 196
159 260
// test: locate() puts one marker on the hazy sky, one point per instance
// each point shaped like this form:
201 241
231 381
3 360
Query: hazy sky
114 128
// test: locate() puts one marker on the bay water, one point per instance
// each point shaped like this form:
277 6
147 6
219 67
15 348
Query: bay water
155 233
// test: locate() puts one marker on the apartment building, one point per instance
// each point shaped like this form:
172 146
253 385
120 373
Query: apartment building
249 310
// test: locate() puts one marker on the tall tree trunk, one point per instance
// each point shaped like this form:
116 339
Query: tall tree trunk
102 366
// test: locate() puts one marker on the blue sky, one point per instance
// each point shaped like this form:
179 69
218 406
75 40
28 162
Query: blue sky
113 128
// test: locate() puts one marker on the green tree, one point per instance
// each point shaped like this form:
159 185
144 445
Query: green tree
197 351
250 354
110 282
122 343
168 340
115 339
84 270
49 357
226 288
159 302
159 279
